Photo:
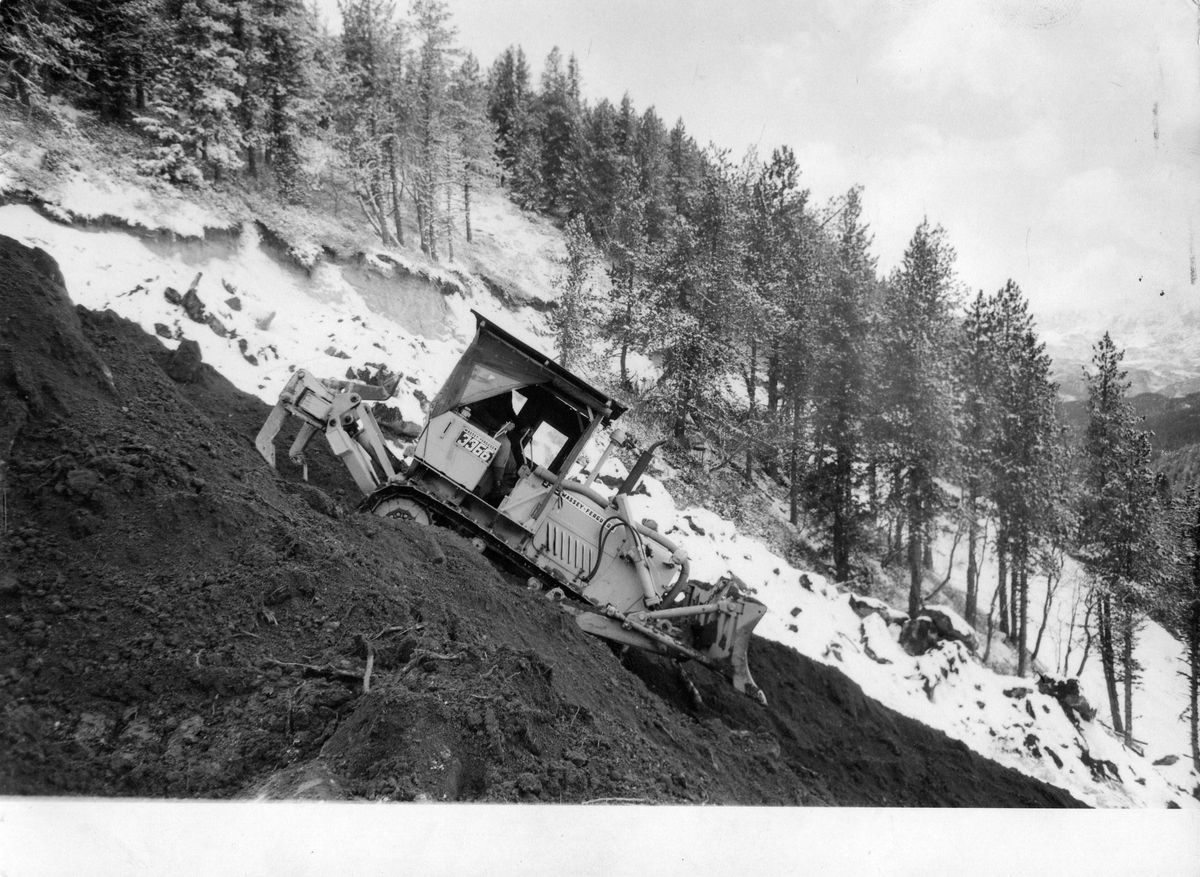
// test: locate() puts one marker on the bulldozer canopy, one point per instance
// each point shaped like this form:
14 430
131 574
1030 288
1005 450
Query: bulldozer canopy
496 362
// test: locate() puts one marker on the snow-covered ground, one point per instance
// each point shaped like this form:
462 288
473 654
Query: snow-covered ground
338 315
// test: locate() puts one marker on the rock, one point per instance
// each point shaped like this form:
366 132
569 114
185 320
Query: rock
408 429
919 635
1167 760
1068 695
864 606
83 482
162 331
9 586
172 295
951 626
234 303
528 784
193 307
92 728
334 352
264 323
216 325
317 499
184 363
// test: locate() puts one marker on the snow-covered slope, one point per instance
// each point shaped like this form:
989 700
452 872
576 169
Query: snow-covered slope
273 315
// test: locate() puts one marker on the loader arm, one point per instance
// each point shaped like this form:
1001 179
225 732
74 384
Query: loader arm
336 409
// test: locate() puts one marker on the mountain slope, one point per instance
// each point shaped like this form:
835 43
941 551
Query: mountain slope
181 621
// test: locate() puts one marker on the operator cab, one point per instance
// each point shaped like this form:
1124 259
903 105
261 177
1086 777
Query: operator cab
509 417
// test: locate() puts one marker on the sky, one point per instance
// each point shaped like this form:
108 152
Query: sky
1057 141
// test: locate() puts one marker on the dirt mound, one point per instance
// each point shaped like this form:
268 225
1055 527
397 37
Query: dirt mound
178 620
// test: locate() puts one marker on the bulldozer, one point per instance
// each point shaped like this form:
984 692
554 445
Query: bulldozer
496 461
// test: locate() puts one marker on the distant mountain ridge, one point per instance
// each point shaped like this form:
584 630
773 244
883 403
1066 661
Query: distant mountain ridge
1161 344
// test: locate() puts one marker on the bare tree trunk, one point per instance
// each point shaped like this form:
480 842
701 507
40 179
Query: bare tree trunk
1002 551
752 393
1108 661
915 531
794 466
1022 573
1127 661
873 491
927 540
393 171
987 649
972 569
1193 637
1087 644
449 226
467 207
1051 587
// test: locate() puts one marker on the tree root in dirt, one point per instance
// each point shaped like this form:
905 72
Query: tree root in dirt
364 675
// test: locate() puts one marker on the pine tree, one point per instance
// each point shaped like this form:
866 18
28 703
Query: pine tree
474 133
977 370
650 155
41 46
1121 533
920 415
697 276
126 44
630 262
560 116
575 312
1187 614
194 113
776 262
518 129
839 382
1023 447
287 92
368 99
432 119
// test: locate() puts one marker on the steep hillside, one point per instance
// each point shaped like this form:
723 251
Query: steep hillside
179 620
262 291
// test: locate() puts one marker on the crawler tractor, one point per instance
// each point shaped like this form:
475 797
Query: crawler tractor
494 461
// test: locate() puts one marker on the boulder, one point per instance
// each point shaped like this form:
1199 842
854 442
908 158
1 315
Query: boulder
864 606
950 625
193 307
1069 696
184 363
216 325
919 635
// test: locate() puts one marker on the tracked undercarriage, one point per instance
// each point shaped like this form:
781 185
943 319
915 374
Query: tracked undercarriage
495 460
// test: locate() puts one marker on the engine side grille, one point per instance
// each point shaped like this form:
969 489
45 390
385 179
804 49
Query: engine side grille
568 549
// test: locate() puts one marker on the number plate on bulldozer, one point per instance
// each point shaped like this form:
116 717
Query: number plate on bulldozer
476 444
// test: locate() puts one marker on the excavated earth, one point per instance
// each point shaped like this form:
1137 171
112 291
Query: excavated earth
181 621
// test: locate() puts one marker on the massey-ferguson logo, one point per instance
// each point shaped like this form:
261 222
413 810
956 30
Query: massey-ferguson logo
476 444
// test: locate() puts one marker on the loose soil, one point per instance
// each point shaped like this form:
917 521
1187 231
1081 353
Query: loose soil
181 621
